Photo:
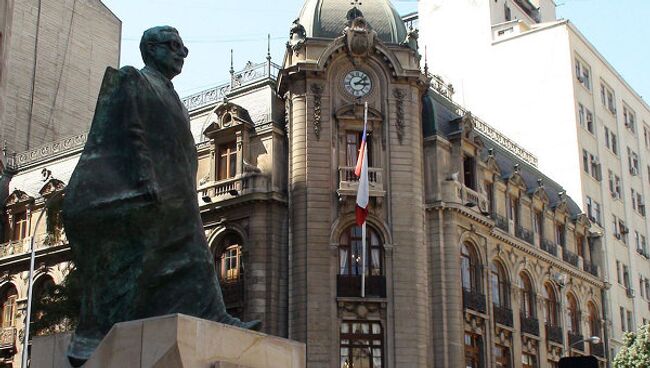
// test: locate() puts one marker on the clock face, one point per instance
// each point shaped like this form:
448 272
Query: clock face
357 83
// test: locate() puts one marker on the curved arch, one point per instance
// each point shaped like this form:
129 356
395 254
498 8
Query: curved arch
499 284
217 235
8 298
350 249
573 313
470 265
381 53
594 319
344 222
551 304
527 301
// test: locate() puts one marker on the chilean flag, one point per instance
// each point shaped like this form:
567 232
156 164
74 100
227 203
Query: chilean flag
361 171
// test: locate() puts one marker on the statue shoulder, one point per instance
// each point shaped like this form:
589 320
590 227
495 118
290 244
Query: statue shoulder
115 79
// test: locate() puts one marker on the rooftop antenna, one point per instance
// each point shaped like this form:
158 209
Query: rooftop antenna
268 46
232 68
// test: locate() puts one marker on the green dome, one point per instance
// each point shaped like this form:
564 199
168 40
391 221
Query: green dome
327 18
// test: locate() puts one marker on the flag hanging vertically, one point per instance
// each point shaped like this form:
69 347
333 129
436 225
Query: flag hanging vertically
361 171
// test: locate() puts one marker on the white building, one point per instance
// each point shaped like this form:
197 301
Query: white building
541 82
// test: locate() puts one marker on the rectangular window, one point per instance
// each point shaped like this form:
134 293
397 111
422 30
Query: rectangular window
501 356
640 204
585 161
607 144
227 164
528 360
641 289
618 272
489 188
473 348
607 98
469 169
560 234
597 215
583 74
589 116
581 115
361 344
633 198
626 277
595 167
20 229
633 161
614 144
622 314
637 240
353 145
630 322
539 224
646 135
622 230
629 118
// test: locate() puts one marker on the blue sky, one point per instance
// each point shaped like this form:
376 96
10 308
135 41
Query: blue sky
618 29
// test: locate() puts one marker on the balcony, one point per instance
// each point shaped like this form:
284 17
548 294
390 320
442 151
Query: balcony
17 247
570 257
549 247
349 182
590 267
350 286
598 350
222 188
554 334
233 292
474 300
473 199
500 222
576 341
524 234
502 315
8 338
529 325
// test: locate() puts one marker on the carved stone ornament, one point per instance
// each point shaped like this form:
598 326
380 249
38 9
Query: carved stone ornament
399 113
297 36
317 90
360 37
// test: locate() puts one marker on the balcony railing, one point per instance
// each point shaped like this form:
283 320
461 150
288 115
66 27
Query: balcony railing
549 247
502 315
350 286
8 338
16 247
577 341
233 292
598 350
590 267
529 325
222 187
500 222
349 182
474 300
524 234
570 257
471 198
554 333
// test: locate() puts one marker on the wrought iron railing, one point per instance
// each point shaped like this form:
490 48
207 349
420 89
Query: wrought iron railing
233 292
598 350
529 325
350 286
524 234
590 267
8 338
443 88
21 246
554 333
570 257
577 341
549 247
500 222
502 315
474 300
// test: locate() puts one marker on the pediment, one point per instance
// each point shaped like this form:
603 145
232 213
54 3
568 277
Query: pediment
517 180
540 193
355 112
53 185
225 116
17 197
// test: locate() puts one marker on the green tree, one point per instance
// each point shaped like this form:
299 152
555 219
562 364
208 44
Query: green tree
636 352
58 308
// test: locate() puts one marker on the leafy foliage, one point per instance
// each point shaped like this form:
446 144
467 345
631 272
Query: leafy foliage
636 352
58 308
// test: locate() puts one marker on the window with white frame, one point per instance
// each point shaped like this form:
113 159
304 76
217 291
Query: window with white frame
615 185
633 161
629 118
607 98
646 135
595 167
583 74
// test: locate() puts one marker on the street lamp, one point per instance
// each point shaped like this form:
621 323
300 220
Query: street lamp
591 340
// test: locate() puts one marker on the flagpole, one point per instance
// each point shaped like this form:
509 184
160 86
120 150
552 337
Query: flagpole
363 226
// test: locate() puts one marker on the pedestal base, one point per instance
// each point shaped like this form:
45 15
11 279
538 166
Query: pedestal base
176 341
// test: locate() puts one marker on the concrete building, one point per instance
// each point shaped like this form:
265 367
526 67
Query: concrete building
53 54
544 84
474 255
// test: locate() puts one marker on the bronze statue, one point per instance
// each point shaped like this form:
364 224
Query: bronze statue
131 212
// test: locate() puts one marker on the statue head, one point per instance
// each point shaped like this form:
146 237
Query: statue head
163 49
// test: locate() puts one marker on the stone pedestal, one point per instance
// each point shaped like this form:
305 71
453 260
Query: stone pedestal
176 341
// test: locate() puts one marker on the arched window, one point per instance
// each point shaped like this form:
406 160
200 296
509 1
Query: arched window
9 296
550 306
499 286
573 317
470 269
228 260
527 296
594 320
350 249
349 280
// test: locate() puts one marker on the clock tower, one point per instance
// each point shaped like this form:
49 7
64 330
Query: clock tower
340 56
